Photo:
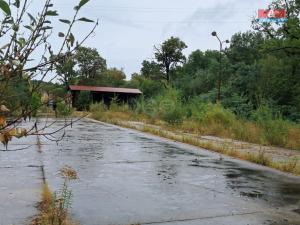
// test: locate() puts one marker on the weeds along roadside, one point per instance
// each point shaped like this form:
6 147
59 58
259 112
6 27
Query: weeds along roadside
218 122
202 118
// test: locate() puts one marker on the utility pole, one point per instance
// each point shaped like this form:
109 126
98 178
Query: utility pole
219 82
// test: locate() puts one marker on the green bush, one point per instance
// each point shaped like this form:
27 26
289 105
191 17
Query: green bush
140 105
275 129
217 114
167 107
239 105
173 116
63 110
84 100
262 114
98 107
208 113
97 110
35 103
197 108
117 106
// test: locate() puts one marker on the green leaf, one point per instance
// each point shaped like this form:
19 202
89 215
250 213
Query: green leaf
15 27
21 41
17 3
65 21
28 27
51 13
5 7
81 3
8 20
86 20
61 34
71 39
32 18
46 28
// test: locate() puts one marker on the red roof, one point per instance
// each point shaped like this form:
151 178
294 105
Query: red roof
105 89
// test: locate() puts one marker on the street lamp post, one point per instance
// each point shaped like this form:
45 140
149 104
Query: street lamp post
214 33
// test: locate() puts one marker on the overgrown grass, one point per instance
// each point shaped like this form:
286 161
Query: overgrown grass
290 166
197 117
207 119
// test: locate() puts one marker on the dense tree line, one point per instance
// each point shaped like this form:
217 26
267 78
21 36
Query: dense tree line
261 67
87 67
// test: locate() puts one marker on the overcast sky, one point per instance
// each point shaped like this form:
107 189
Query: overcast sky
129 29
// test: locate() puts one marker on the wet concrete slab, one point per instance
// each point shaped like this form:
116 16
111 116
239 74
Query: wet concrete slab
20 181
127 177
19 193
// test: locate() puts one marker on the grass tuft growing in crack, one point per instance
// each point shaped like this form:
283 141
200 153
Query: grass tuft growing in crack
54 207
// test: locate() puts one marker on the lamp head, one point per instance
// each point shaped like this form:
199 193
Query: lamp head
214 33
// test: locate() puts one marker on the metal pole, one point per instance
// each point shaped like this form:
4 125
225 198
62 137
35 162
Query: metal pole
219 82
220 74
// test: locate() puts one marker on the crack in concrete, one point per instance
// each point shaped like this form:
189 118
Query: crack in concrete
15 167
148 161
202 218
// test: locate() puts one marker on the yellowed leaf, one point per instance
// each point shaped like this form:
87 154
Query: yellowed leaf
2 137
21 132
5 138
2 121
3 108
17 132
13 132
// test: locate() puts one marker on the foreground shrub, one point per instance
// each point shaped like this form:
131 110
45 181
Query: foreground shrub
97 110
167 107
140 106
217 114
98 107
275 129
84 100
174 116
211 119
63 109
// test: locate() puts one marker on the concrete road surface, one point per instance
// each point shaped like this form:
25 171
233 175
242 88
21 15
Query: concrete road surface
127 177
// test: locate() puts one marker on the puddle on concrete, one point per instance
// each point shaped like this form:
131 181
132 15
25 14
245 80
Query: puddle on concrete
253 183
297 211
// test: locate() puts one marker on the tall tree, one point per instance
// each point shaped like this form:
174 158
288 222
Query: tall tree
246 47
285 36
169 55
112 77
65 68
90 62
282 51
151 70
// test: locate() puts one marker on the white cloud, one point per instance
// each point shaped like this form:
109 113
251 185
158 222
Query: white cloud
129 28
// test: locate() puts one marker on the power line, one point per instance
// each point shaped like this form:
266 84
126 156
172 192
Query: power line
148 9
187 22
